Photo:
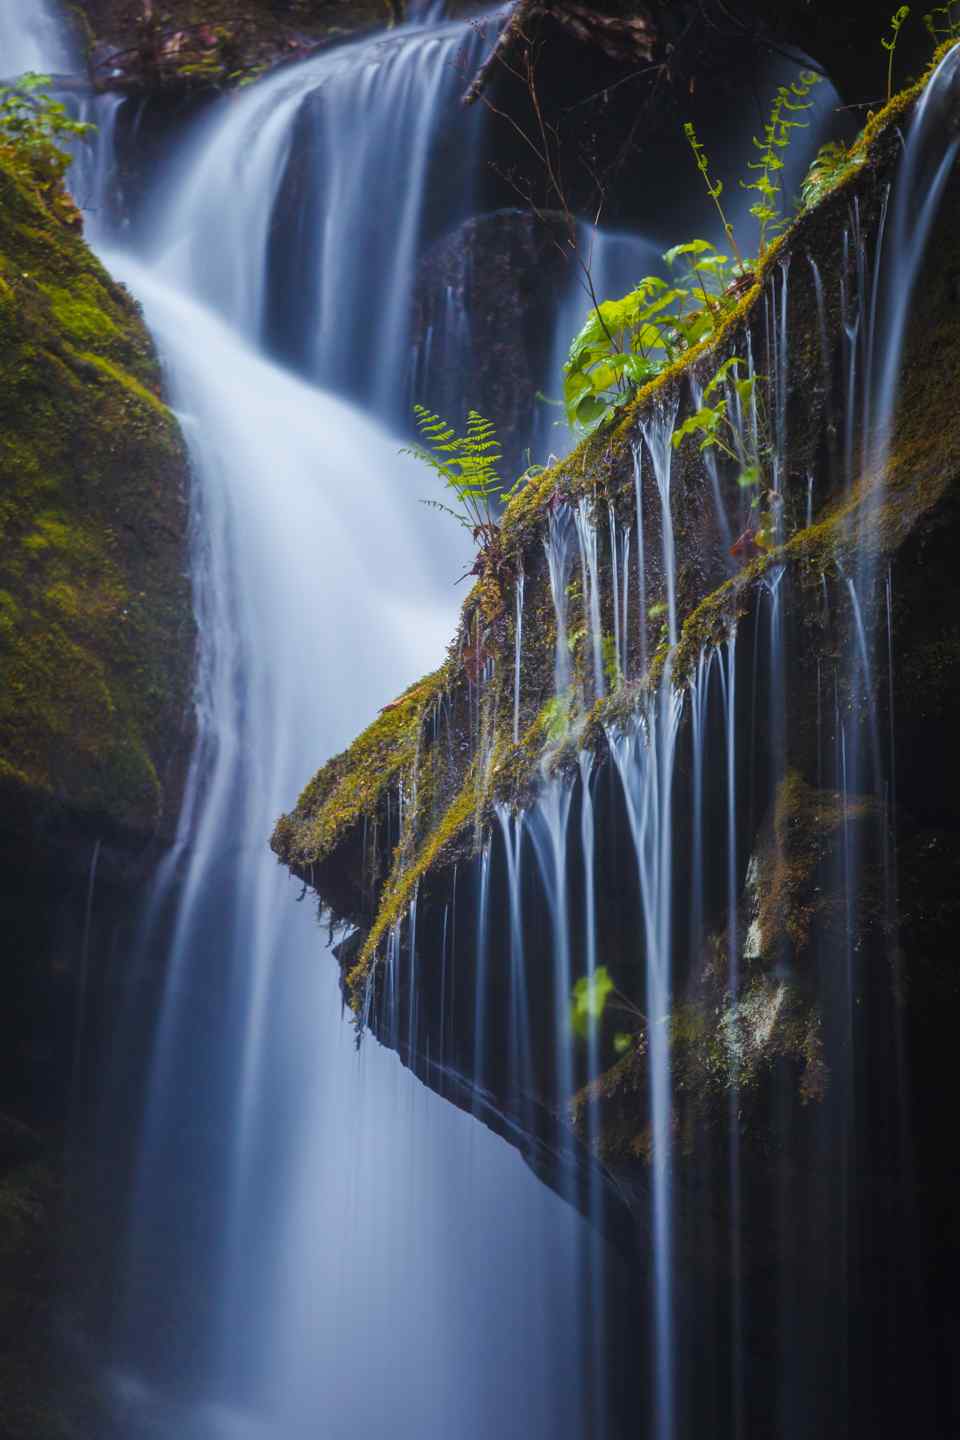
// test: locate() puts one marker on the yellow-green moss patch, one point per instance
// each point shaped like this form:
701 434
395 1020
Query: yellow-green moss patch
96 634
399 889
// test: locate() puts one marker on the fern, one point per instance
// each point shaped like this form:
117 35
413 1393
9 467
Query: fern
777 135
714 187
943 22
467 465
896 21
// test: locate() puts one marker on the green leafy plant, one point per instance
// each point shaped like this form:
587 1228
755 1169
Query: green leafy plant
943 22
713 423
556 717
896 22
718 429
467 464
833 163
589 1000
624 343
33 127
611 663
591 996
777 135
714 187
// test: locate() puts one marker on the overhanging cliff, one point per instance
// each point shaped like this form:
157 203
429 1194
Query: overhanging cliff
394 835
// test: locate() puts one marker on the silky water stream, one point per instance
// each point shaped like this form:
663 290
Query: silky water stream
311 1242
314 1242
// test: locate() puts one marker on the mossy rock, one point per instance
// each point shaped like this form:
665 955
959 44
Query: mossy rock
196 45
337 826
96 630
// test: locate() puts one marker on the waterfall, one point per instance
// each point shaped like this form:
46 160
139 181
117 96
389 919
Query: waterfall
299 1215
333 218
30 39
309 1241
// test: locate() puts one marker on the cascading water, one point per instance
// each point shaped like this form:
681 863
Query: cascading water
322 1218
31 39
297 163
317 1244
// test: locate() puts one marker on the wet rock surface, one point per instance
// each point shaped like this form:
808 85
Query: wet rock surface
489 290
834 1003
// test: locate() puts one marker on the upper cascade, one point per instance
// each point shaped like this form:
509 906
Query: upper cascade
307 166
31 38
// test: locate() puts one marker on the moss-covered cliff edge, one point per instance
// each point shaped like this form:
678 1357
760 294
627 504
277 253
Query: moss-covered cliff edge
383 831
96 667
320 838
96 628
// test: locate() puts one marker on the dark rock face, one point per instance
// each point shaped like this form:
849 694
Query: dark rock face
96 644
184 45
96 669
492 284
806 1076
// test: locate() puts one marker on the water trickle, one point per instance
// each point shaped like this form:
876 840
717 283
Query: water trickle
590 580
929 157
728 681
644 759
658 435
808 511
825 357
778 353
549 833
517 653
615 562
710 461
480 1039
699 700
558 544
641 557
412 1001
871 334
512 831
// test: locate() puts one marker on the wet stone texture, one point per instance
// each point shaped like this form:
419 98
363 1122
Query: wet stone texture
812 1009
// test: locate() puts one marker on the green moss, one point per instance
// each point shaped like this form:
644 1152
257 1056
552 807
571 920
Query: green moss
873 516
129 382
80 313
790 895
351 785
400 887
96 630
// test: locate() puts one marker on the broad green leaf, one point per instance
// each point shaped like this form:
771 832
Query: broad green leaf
590 995
692 247
718 379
